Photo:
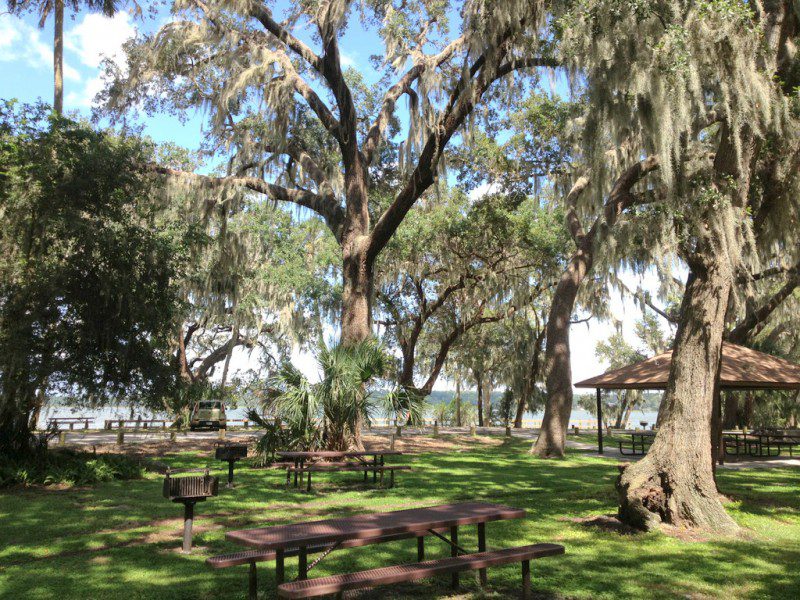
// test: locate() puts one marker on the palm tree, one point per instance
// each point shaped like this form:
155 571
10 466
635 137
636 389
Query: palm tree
56 7
330 413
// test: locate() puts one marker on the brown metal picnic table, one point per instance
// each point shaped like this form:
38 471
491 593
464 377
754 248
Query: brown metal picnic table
300 458
375 528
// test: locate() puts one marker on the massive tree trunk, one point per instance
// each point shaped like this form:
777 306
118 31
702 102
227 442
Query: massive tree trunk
674 482
479 382
487 399
458 402
58 57
357 266
558 371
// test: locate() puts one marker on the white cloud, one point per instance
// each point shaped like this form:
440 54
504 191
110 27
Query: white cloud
84 98
21 42
94 39
482 190
348 60
98 37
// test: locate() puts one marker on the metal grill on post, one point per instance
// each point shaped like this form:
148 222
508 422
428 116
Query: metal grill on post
189 490
230 453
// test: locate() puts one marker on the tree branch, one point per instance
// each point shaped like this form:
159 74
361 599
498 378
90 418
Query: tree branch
325 207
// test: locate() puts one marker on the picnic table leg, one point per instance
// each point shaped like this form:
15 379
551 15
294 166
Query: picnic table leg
279 566
252 586
302 559
454 552
420 548
482 548
526 579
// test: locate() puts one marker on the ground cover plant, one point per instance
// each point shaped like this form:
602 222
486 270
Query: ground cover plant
120 539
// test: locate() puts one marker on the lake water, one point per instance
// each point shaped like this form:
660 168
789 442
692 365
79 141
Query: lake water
579 417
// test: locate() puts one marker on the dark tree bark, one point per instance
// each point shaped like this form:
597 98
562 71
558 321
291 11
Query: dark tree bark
58 57
479 384
530 384
674 482
558 371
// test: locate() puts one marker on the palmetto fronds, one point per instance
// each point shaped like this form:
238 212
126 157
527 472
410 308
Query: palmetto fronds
338 404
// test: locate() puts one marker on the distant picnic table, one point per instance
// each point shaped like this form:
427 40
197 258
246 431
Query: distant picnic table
323 537
57 422
759 443
136 423
308 462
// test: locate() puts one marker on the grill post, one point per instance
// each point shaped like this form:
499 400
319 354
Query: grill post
188 518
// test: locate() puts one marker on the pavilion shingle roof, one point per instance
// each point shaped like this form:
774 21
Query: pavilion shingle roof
742 368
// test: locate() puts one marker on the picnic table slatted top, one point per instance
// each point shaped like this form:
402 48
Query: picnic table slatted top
374 525
343 454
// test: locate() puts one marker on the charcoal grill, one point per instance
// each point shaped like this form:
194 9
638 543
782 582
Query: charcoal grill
230 453
189 490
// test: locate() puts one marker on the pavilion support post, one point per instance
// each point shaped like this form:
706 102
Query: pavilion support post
599 420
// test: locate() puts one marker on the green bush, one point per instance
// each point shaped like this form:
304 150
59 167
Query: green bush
66 467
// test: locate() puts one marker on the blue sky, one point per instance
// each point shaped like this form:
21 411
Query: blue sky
26 73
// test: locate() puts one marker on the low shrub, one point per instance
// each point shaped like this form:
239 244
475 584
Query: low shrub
67 467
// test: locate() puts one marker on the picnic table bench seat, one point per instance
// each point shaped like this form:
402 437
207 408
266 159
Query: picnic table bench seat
251 557
336 584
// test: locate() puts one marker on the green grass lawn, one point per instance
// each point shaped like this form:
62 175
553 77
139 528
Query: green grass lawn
119 539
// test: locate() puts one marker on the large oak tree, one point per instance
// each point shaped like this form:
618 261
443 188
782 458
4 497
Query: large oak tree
263 77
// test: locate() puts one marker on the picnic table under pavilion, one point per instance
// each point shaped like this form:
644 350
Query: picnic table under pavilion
741 368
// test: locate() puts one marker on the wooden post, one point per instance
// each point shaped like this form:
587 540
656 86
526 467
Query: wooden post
599 424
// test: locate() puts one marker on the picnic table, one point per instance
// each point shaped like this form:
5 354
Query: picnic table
364 460
759 443
325 536
640 442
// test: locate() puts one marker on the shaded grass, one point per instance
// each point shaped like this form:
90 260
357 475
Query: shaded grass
119 539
